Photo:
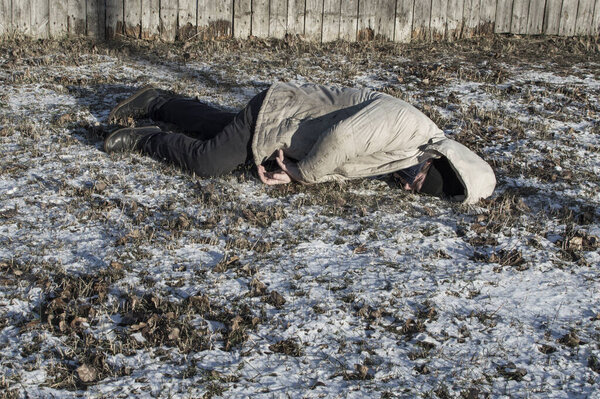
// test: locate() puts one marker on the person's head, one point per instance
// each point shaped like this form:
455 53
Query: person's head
441 180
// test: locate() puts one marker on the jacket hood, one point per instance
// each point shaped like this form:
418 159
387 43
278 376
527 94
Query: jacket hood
476 175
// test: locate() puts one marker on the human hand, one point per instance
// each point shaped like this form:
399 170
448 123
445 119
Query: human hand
273 178
288 166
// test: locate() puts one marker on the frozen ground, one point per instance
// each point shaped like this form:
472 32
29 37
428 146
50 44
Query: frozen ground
121 277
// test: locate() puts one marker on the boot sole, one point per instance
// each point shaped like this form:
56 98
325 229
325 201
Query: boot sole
111 116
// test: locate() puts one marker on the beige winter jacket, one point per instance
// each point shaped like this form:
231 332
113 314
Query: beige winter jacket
343 133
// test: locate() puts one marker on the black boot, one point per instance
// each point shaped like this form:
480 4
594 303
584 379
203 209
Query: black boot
127 140
137 105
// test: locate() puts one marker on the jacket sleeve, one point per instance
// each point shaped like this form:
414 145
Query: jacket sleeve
365 132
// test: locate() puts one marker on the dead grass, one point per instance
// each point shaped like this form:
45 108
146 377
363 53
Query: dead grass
159 303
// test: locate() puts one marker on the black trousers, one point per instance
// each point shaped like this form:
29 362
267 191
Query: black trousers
215 141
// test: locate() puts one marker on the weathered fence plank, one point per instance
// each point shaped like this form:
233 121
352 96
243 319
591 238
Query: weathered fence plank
21 16
487 16
552 17
150 19
242 18
585 17
596 21
76 16
348 19
404 21
57 18
568 18
317 20
5 17
278 18
39 18
503 16
186 19
114 18
95 19
215 18
520 13
366 20
168 20
439 12
132 18
376 19
471 18
386 19
331 20
295 17
260 18
313 20
535 20
454 19
421 19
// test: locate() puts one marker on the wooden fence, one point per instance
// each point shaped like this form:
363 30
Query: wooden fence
319 20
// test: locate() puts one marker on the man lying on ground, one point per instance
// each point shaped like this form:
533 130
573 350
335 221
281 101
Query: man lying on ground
315 133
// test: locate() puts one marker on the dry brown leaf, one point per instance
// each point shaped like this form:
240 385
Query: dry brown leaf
276 299
77 322
139 326
257 287
87 373
361 370
174 333
116 265
235 323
